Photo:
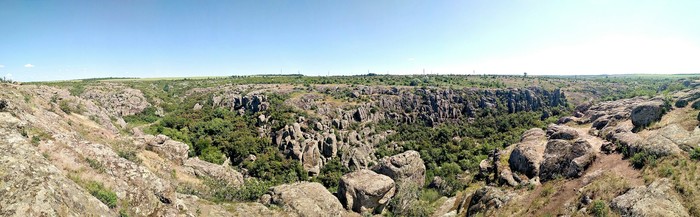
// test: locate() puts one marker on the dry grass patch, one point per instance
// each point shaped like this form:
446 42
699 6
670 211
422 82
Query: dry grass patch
683 174
606 187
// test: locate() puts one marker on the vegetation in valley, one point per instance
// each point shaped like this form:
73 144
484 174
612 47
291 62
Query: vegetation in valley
450 150
216 133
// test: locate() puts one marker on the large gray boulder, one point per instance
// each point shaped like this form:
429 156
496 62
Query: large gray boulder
329 145
488 199
365 191
566 158
306 199
669 140
561 132
404 167
657 199
311 158
528 154
165 147
663 142
645 113
224 173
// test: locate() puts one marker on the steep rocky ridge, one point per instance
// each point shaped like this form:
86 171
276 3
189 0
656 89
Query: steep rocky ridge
32 186
65 152
313 142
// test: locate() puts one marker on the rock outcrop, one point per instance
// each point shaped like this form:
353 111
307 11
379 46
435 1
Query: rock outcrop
403 168
528 154
608 113
165 147
645 113
566 158
235 102
666 141
365 191
488 199
312 149
34 187
306 199
669 140
657 199
119 101
224 173
561 132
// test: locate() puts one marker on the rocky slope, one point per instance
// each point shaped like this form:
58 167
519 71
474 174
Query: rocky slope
574 165
53 159
68 155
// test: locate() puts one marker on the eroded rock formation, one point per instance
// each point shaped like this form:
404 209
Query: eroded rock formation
365 191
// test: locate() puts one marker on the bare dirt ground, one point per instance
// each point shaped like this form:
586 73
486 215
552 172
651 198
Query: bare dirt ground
567 191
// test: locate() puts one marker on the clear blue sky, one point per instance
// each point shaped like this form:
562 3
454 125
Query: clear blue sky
55 40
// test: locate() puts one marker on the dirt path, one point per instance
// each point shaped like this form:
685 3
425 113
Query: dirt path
567 191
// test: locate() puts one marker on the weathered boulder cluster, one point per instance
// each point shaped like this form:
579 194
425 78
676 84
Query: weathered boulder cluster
236 102
566 155
406 167
315 142
361 191
69 153
540 155
305 199
119 101
528 154
177 152
617 122
370 190
312 150
89 108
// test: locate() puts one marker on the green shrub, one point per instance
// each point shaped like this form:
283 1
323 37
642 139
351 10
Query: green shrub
213 155
331 172
667 171
123 213
148 115
429 195
681 103
695 153
547 189
35 140
600 209
251 190
95 164
103 194
129 155
65 107
696 105
3 104
77 89
406 202
640 159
